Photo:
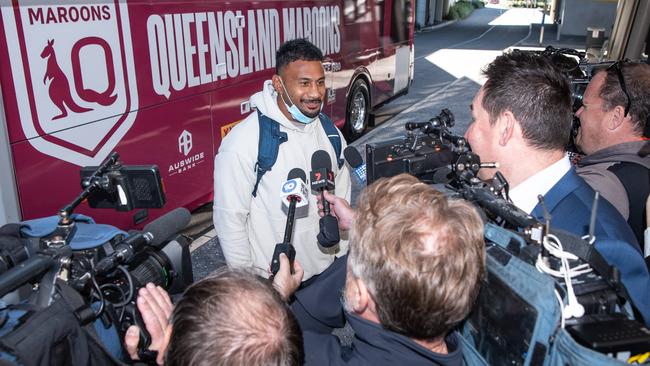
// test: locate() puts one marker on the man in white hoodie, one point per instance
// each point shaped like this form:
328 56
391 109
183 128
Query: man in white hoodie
249 225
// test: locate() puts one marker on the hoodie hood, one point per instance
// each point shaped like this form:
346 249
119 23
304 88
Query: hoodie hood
266 101
624 152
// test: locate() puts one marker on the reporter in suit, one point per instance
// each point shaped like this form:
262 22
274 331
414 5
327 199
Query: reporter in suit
522 119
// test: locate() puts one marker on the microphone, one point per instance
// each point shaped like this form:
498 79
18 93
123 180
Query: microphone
295 189
322 179
167 225
353 158
154 234
294 193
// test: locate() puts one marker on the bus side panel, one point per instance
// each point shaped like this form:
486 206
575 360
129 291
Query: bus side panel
75 89
359 49
377 36
176 136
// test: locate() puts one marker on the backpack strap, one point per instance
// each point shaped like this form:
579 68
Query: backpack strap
332 134
271 137
268 145
635 178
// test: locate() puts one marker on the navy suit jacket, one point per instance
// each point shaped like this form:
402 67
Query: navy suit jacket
569 203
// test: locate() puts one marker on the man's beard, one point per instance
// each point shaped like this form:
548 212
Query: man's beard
307 113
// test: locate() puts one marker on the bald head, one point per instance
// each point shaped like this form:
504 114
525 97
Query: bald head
233 318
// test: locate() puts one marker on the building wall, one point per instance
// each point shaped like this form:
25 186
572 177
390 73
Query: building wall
577 15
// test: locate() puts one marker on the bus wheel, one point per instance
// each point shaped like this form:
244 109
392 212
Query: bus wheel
358 111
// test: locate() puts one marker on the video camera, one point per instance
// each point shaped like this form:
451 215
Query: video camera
429 151
519 247
41 260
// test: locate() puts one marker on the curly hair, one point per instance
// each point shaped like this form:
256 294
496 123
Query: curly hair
294 50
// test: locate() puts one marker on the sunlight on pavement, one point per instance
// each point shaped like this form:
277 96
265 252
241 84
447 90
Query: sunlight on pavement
470 62
523 17
461 63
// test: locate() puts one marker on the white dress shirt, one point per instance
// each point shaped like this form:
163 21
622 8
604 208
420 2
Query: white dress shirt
524 195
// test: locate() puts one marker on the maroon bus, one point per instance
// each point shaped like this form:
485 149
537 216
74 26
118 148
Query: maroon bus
161 82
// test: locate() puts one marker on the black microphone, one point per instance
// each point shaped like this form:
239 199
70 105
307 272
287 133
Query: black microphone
25 271
322 179
167 225
500 207
353 158
154 234
292 191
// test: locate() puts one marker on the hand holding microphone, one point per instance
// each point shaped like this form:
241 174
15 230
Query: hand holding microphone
339 208
322 179
294 194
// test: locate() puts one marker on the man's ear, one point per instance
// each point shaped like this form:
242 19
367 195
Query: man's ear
360 297
364 296
506 125
617 118
277 84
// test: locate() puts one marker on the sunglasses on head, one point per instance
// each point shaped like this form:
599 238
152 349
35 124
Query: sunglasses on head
617 67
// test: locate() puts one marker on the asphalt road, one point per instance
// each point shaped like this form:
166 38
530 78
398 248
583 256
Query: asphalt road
466 39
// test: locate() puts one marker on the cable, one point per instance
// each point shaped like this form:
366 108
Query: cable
100 295
131 288
554 246
559 299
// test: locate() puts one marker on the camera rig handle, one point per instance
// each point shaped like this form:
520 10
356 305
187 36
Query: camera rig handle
90 185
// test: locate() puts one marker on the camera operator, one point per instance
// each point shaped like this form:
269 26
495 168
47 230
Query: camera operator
615 109
229 318
413 271
522 119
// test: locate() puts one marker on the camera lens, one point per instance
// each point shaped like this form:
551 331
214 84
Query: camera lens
577 94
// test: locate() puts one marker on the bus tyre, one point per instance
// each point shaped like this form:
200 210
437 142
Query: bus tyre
357 112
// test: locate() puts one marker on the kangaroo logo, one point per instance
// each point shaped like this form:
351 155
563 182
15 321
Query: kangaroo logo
59 88
74 83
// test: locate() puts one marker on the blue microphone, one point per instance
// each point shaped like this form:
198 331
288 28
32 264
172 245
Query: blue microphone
353 158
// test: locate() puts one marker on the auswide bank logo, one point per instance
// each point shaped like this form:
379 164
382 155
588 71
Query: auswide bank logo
185 142
190 161
73 74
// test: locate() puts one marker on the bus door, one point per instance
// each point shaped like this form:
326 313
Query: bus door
394 54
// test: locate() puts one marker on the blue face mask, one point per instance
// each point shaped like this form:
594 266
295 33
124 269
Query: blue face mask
295 112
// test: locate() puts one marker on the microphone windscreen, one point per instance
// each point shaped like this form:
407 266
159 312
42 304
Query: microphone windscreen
297 173
353 157
168 225
329 235
321 160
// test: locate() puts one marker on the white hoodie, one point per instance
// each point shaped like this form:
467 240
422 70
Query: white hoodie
249 227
